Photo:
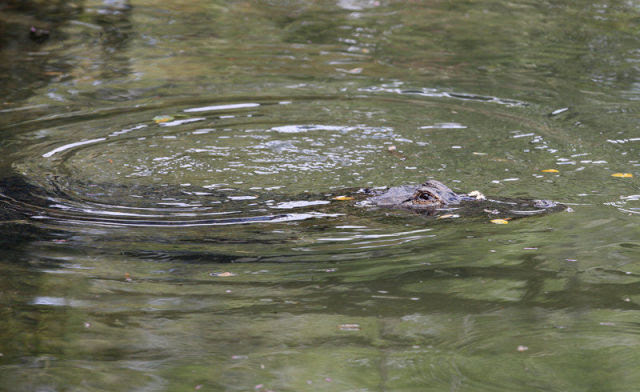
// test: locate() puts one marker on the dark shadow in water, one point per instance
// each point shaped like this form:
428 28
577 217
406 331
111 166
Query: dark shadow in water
20 200
25 29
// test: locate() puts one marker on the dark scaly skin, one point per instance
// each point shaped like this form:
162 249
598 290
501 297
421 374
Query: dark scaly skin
433 195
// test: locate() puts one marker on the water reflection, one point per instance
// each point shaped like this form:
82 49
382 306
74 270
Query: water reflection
168 210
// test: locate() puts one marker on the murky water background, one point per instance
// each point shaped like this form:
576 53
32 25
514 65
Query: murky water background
168 174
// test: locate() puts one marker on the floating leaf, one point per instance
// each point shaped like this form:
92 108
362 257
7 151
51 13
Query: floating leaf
550 171
162 119
342 198
222 274
499 221
393 150
622 175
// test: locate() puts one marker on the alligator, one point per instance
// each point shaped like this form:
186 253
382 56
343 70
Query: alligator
22 202
433 196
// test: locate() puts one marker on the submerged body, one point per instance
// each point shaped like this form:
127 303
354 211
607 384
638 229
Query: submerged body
23 202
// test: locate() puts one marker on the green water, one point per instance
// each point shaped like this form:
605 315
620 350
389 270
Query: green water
168 171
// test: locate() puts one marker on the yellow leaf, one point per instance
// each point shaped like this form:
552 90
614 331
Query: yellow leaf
622 175
222 274
342 198
162 119
349 327
550 171
499 221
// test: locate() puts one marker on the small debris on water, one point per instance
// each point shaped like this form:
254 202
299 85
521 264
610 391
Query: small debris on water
349 327
38 35
607 324
530 248
477 195
559 111
448 216
393 150
550 171
222 274
342 198
522 348
622 175
87 324
127 277
499 221
163 118
197 387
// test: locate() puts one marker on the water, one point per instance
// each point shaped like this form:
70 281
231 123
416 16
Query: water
169 172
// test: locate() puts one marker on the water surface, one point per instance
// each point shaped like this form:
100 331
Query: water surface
169 174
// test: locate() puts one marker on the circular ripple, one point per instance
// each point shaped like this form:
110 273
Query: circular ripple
219 163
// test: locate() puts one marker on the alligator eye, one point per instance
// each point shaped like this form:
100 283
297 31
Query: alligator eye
423 197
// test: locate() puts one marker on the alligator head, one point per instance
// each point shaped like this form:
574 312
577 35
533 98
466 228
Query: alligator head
432 194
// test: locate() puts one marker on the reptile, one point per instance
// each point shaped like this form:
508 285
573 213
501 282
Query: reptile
20 200
433 196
